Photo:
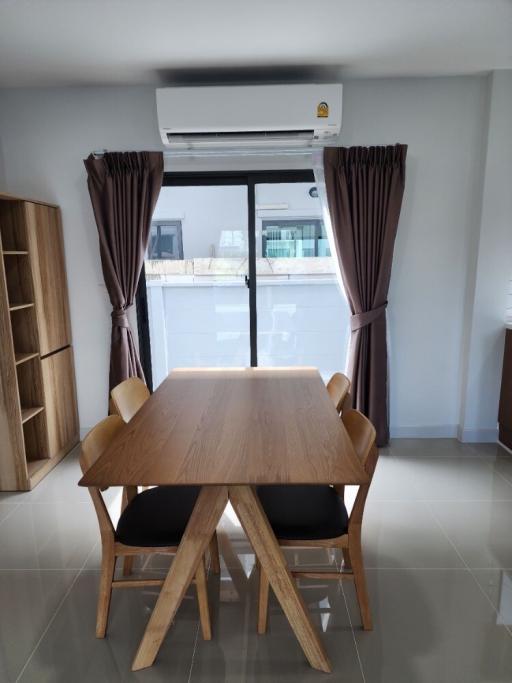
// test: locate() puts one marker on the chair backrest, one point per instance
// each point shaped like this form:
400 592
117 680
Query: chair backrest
93 445
338 388
97 440
128 397
362 434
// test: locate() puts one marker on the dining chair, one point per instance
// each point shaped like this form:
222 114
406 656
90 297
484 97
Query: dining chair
128 397
152 522
338 388
315 516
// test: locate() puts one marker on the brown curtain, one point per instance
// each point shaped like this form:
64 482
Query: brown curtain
124 187
364 187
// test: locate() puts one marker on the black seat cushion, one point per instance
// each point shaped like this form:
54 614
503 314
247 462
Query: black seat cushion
298 512
157 517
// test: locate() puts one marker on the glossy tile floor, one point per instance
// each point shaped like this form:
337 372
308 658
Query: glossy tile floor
438 548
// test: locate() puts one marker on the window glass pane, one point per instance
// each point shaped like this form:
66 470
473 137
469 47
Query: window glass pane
198 302
303 317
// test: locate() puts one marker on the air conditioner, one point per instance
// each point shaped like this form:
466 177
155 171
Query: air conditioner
306 115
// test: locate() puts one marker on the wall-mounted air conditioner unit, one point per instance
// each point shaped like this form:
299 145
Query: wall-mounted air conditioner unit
306 115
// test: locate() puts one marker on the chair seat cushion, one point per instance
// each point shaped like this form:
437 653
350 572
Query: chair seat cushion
298 512
157 517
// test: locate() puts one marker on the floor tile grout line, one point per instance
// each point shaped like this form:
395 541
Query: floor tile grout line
43 569
353 633
468 568
489 465
56 501
196 639
372 501
436 569
194 650
417 456
57 610
339 568
15 506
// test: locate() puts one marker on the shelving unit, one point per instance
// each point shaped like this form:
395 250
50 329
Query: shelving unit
38 415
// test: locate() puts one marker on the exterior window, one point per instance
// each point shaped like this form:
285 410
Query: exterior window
165 241
294 238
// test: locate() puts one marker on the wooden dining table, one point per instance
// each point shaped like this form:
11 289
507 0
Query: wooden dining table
228 430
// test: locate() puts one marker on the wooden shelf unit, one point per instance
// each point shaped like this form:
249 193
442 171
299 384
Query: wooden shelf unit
38 412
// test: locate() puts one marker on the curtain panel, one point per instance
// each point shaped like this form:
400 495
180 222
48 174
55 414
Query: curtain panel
124 188
365 186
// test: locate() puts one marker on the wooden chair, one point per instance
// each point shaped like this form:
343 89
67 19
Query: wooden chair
316 516
128 398
152 522
338 388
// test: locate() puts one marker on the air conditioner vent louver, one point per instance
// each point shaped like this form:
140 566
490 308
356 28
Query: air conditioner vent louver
244 138
242 135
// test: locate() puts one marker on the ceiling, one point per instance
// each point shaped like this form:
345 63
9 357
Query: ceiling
86 42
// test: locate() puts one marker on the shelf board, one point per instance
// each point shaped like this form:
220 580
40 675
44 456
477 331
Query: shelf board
14 252
34 468
38 469
29 413
18 307
23 357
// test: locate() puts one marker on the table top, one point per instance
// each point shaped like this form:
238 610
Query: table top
232 426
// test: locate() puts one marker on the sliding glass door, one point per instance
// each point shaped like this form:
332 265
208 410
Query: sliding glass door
195 274
238 272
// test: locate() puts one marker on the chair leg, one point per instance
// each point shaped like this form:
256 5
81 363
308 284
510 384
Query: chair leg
108 565
128 493
347 564
356 557
128 564
263 602
214 554
202 599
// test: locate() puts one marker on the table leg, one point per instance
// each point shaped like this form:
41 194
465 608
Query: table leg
207 511
255 523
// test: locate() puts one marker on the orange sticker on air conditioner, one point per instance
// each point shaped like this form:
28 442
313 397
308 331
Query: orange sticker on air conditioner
322 111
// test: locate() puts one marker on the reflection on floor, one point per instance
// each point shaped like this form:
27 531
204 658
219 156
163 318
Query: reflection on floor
438 550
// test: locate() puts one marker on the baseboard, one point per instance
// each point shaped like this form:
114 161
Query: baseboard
478 435
425 432
505 448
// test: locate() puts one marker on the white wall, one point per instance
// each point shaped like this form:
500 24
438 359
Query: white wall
494 270
46 133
